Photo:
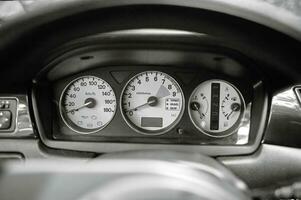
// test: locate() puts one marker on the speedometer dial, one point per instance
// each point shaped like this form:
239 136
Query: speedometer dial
87 104
152 102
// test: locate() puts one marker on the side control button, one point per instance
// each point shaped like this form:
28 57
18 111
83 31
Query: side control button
5 119
4 104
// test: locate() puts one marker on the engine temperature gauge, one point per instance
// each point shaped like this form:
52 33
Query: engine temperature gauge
216 108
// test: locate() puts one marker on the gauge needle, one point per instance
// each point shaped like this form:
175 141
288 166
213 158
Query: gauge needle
200 112
234 107
152 101
230 114
82 106
196 106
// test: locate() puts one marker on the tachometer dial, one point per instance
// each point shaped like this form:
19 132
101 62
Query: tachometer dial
152 102
87 104
216 108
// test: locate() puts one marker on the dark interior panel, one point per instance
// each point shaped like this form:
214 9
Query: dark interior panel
116 59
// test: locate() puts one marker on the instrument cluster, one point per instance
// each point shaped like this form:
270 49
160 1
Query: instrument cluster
151 103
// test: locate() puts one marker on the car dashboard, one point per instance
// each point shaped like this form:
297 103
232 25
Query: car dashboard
110 79
146 94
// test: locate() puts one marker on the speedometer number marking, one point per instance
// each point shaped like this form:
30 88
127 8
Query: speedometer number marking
87 104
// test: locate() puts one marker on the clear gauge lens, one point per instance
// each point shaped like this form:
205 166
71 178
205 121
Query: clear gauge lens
152 102
87 104
216 108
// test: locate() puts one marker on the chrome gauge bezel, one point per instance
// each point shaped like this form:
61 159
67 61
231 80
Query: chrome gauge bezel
68 122
231 130
143 131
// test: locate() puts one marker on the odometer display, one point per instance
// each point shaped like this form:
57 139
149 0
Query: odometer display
87 104
152 102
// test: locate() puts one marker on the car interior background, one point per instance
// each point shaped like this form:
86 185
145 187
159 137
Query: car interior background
150 99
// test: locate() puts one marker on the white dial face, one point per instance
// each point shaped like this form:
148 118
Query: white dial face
152 102
87 104
216 107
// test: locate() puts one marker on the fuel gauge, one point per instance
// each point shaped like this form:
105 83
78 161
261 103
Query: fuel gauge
216 108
